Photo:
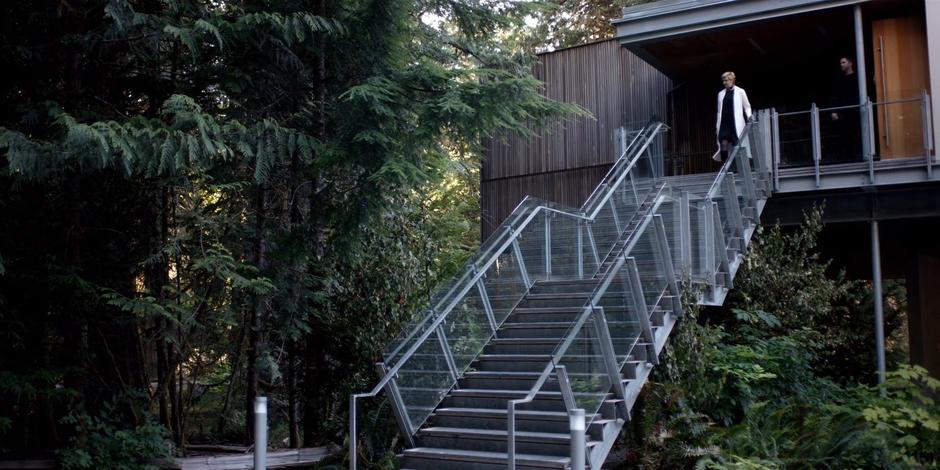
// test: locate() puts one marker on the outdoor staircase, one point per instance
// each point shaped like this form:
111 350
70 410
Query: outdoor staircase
564 310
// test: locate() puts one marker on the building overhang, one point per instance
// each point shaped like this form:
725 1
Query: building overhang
676 18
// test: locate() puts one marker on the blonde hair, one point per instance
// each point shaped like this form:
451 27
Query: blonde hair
727 75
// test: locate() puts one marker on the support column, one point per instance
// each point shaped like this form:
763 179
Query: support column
861 73
933 60
879 308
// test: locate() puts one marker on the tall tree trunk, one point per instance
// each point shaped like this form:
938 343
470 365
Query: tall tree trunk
311 419
157 279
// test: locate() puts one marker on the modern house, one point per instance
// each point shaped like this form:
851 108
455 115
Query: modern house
786 54
535 354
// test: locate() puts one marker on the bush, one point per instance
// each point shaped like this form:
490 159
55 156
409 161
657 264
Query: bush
105 440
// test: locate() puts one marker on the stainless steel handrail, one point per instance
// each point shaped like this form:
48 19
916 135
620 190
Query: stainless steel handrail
726 167
860 106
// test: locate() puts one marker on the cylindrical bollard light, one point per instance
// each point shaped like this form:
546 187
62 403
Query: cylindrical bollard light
261 433
576 425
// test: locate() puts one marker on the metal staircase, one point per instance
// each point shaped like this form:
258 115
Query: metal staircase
534 357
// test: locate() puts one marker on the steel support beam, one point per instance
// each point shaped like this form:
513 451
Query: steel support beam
877 301
398 406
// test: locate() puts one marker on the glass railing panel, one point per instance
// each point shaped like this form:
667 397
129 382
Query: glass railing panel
424 379
627 199
567 243
622 319
726 195
648 262
504 233
698 220
410 333
606 229
504 284
796 142
586 368
899 129
467 329
669 211
532 247
840 138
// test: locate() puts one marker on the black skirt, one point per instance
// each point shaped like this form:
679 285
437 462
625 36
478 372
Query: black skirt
727 130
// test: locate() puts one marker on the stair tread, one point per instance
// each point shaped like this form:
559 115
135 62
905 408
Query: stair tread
546 324
488 457
515 393
439 430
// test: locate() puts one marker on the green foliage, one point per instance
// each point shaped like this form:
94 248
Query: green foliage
109 439
754 387
217 199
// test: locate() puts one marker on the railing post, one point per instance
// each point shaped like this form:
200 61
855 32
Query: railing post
721 246
576 417
445 350
747 179
736 219
665 256
642 310
925 119
607 350
580 250
613 211
636 196
709 239
761 164
590 233
517 252
817 153
776 148
685 232
548 245
487 307
564 386
870 139
398 405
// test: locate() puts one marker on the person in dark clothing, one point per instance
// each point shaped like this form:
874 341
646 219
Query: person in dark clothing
847 122
733 111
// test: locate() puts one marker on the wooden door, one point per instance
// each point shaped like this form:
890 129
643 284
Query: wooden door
900 53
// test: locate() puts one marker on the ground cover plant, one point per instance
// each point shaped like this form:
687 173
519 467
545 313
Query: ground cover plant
764 382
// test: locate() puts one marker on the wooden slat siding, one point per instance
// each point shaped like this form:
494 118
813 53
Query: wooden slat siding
567 160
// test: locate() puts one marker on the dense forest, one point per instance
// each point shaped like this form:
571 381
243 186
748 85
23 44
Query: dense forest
206 201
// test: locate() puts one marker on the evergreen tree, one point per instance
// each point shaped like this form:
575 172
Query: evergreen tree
202 202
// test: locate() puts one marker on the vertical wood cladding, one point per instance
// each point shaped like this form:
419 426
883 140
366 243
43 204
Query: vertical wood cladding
568 159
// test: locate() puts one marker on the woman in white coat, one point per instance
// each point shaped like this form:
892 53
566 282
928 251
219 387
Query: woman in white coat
733 111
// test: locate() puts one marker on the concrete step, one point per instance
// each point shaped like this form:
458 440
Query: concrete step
499 399
427 458
533 330
495 440
539 421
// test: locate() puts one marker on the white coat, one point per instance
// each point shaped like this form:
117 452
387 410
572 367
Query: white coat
742 108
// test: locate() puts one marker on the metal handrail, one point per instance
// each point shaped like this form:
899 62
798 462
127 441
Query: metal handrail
439 316
726 167
860 106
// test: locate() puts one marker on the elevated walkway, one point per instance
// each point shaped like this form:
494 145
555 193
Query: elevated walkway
536 354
